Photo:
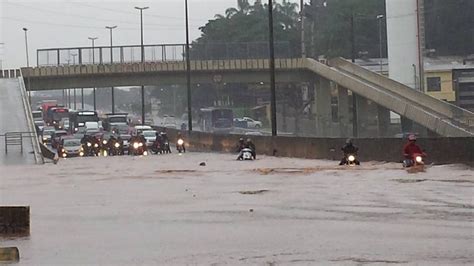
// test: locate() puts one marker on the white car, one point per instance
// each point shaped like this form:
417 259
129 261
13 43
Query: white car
139 129
169 122
150 136
252 123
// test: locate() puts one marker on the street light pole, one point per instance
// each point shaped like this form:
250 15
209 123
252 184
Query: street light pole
188 70
111 62
303 46
73 58
26 47
380 17
143 60
93 62
272 69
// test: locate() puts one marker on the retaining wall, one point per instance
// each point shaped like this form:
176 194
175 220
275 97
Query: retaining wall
439 150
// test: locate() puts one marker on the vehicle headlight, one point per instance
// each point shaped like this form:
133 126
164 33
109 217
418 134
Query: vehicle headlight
418 159
135 145
140 144
81 153
63 150
96 145
117 145
351 158
180 142
45 138
54 122
89 144
145 153
76 129
104 142
64 155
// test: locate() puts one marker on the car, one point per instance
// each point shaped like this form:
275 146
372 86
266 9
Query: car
120 129
40 125
139 129
253 133
238 122
70 147
47 134
251 123
56 138
169 122
150 136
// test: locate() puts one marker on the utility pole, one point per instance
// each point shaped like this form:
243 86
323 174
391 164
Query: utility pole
93 62
303 46
26 47
111 62
380 18
272 69
143 59
188 70
355 131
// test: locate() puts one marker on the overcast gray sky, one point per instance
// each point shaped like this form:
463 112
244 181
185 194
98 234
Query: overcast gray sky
68 23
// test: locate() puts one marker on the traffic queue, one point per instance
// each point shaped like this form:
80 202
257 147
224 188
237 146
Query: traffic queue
83 133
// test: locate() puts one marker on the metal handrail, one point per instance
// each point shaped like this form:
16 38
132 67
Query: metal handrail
16 139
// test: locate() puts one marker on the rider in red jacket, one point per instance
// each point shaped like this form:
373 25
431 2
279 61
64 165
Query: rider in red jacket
410 149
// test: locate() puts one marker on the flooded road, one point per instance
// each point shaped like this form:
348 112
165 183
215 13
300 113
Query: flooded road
168 210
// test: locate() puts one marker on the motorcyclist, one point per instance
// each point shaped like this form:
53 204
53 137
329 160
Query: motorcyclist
178 137
410 150
240 145
165 142
349 149
249 145
89 149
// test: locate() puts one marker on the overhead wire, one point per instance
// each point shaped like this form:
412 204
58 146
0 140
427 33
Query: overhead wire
148 25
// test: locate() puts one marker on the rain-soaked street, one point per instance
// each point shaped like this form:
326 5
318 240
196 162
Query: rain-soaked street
168 210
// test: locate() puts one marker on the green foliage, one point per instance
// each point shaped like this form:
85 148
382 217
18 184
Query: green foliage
328 26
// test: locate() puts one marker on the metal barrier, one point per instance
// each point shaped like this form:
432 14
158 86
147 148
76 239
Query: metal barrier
16 139
10 73
161 53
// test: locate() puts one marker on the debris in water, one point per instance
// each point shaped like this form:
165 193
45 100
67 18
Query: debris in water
253 192
202 164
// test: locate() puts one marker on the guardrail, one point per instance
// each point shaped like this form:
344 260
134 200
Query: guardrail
16 139
10 73
161 53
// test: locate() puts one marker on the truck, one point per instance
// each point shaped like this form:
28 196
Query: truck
78 119
117 119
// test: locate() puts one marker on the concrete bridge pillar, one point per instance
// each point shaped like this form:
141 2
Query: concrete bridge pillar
362 116
383 121
343 110
323 106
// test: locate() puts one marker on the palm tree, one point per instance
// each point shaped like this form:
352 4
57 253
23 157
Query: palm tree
289 13
243 8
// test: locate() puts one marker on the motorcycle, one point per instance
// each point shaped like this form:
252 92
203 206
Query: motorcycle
115 148
138 148
156 147
91 148
415 163
247 154
180 146
166 147
351 160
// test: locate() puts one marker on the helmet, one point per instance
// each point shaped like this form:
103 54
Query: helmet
249 141
241 140
411 137
349 141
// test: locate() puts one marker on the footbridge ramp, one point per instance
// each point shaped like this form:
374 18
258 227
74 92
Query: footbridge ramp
18 141
441 117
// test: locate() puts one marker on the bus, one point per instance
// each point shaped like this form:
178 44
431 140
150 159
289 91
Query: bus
78 119
55 114
216 120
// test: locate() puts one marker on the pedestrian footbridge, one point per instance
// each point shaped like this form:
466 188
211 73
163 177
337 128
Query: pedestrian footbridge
18 141
438 116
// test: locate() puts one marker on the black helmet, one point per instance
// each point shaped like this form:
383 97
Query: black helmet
349 141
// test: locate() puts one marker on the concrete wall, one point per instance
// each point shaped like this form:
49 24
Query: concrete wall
439 150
